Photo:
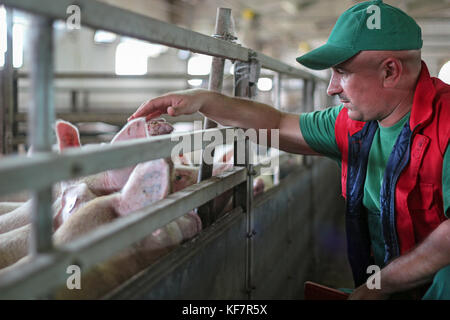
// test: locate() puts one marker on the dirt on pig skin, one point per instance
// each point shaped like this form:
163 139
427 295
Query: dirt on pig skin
158 127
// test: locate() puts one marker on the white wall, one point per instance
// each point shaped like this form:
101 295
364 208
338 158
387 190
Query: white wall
76 51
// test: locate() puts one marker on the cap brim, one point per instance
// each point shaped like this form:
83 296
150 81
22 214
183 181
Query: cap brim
326 56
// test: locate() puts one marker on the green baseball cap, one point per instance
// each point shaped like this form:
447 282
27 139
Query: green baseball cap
370 25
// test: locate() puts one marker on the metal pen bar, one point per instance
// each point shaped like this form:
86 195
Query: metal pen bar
223 21
277 99
19 172
97 15
47 271
6 94
308 106
15 108
113 76
9 81
243 193
278 66
254 73
115 118
249 220
40 122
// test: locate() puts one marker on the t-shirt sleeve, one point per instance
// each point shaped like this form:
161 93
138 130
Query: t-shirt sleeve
446 182
318 131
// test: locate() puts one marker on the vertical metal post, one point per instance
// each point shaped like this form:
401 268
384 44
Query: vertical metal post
86 101
6 102
15 110
223 22
246 77
308 106
308 95
277 102
249 215
40 119
74 101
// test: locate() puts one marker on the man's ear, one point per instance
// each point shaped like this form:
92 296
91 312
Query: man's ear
392 69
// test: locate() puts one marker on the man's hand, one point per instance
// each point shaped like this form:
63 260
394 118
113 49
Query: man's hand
364 293
230 111
174 104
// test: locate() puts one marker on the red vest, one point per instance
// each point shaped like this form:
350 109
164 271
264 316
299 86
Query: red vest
418 191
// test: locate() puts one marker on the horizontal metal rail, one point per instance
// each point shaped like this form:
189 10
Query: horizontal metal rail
19 172
110 117
99 15
49 270
105 75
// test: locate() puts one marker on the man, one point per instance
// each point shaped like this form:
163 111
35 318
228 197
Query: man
389 135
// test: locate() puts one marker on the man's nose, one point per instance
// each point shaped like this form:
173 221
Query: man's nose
334 86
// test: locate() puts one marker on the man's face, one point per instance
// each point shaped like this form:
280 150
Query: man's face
358 84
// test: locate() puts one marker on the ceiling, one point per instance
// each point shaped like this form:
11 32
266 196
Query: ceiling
284 29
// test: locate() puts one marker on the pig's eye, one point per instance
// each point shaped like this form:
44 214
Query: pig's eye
178 178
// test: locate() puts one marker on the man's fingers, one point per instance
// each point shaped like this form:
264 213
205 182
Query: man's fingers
152 108
153 115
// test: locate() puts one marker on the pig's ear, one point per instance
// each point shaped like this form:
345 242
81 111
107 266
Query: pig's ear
67 135
57 218
134 129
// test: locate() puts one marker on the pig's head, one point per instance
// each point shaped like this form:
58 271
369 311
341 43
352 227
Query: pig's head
183 177
73 197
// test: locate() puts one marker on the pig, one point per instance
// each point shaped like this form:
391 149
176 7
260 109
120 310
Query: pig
21 216
110 181
149 182
6 207
140 190
75 193
106 182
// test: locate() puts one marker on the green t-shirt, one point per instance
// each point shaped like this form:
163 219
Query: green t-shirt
382 145
318 131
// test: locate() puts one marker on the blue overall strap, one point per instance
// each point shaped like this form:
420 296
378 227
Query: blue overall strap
358 237
397 161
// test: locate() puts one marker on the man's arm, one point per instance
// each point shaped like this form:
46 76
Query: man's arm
230 111
414 268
